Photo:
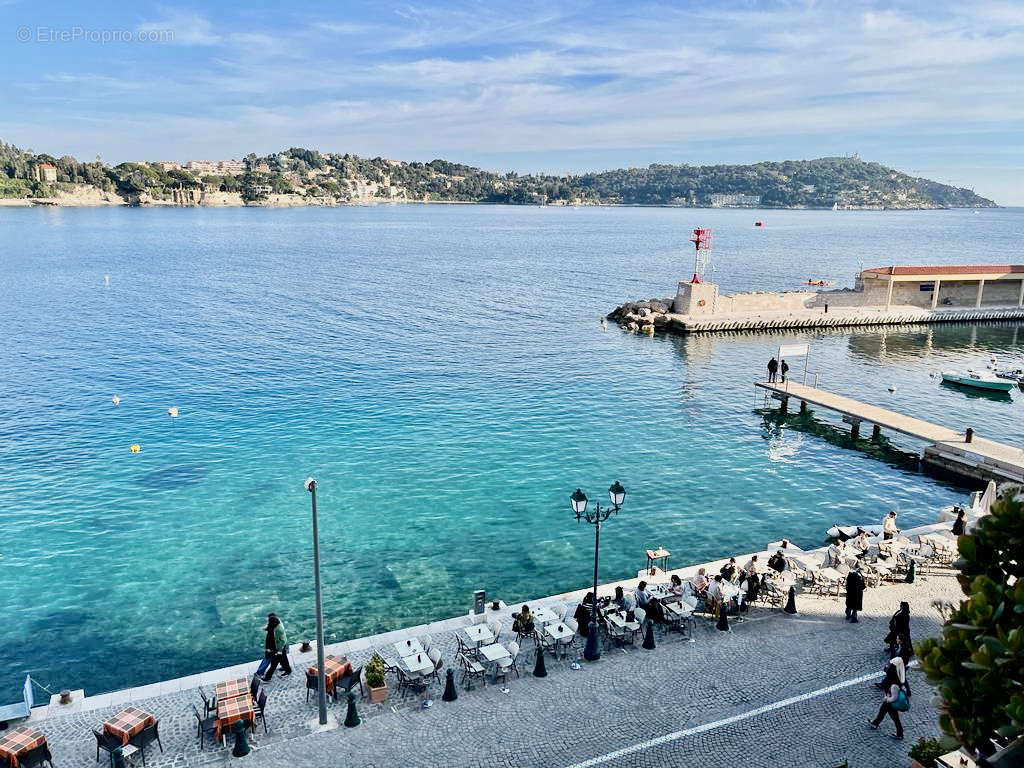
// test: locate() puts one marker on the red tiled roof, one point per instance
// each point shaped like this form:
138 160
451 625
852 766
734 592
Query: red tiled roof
949 269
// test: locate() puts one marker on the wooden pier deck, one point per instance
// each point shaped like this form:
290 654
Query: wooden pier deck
980 458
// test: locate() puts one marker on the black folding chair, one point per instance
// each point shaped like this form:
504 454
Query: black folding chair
144 738
205 727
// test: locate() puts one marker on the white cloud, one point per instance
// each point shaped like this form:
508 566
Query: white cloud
188 28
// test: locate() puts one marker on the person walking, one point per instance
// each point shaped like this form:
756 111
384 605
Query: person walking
895 698
276 645
773 370
784 367
854 593
899 625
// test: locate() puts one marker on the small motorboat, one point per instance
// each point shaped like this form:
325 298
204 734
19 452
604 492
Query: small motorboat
1013 374
978 380
845 532
820 283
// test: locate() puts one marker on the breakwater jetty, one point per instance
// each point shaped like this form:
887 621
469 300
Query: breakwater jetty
881 296
962 453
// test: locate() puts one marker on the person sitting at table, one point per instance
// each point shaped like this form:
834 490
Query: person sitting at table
523 622
624 602
700 583
715 594
777 562
651 604
675 587
860 543
834 554
729 569
960 524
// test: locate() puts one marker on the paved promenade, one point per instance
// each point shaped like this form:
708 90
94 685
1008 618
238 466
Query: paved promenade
777 690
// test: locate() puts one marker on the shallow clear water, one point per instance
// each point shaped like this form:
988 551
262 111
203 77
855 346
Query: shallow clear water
442 372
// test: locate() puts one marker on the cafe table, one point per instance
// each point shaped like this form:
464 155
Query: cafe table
478 635
229 689
230 711
417 663
18 742
334 669
544 616
559 632
408 647
494 652
955 760
129 722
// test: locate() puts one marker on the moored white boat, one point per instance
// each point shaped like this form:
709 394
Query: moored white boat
844 532
978 380
1012 374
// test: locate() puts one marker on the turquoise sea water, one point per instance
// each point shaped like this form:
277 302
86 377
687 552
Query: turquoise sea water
442 372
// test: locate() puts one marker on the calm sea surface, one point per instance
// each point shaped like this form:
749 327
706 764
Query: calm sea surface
441 370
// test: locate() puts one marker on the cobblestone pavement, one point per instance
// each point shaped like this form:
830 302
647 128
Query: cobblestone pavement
626 698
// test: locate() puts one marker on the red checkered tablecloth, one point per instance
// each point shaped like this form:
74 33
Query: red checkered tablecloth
334 670
230 711
229 689
127 723
18 742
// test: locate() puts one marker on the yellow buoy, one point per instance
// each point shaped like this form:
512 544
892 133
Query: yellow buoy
135 448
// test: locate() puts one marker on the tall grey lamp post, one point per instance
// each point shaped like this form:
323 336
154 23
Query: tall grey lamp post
320 680
617 494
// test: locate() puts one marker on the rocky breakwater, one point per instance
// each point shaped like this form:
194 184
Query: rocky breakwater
643 316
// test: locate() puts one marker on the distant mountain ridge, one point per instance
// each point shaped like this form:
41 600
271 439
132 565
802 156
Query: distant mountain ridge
301 176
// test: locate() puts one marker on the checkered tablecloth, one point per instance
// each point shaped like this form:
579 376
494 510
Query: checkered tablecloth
334 670
231 711
229 689
127 723
18 742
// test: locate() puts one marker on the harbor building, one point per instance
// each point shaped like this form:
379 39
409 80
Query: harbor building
951 286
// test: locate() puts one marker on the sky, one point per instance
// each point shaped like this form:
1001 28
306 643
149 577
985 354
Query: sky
932 88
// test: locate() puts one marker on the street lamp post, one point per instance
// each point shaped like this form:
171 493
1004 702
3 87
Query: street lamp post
578 500
321 682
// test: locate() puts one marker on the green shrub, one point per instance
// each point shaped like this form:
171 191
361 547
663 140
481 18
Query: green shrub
927 751
375 672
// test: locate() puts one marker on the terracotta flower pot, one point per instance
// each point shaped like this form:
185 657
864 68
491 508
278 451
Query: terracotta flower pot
377 695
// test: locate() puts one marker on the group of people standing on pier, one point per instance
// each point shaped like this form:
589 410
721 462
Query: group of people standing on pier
774 368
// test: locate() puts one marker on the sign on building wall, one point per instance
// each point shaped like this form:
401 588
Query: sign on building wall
927 287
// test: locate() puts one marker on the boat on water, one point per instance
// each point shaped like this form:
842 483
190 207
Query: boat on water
845 532
978 380
1011 374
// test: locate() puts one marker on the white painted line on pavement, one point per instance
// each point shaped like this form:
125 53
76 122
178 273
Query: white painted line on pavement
670 737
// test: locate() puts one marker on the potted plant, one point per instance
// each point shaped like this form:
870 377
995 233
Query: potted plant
375 679
925 753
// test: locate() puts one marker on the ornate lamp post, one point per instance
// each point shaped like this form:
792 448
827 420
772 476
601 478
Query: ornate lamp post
578 500
321 682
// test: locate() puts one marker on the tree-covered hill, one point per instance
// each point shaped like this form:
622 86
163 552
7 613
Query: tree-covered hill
298 173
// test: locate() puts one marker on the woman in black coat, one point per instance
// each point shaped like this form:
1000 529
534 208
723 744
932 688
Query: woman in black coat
854 595
899 624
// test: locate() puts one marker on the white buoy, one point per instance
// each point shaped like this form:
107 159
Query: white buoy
173 411
115 400
106 279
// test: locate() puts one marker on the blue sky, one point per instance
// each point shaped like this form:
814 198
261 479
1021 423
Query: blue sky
932 88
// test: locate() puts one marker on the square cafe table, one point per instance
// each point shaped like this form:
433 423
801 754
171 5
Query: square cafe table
231 711
417 663
334 669
18 742
229 689
494 652
478 635
127 723
544 616
408 648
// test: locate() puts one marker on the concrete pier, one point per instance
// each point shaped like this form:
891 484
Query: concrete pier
950 450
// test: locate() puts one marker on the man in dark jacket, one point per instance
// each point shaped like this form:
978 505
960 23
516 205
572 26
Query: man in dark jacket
785 370
773 369
854 594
